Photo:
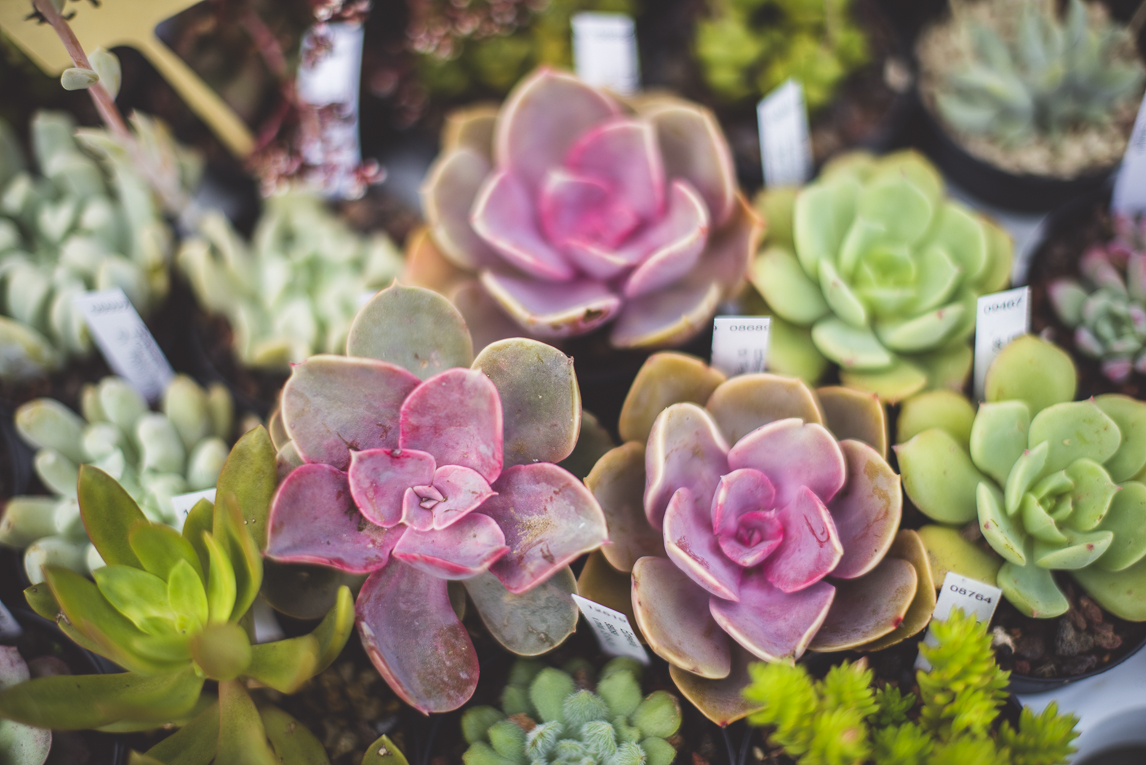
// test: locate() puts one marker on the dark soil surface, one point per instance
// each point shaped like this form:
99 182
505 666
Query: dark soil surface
211 342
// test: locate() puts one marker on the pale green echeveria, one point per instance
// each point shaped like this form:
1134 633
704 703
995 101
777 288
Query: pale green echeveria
874 269
1055 484
293 291
71 228
153 455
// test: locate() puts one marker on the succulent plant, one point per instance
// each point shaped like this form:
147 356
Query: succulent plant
173 609
573 211
292 292
153 455
71 229
421 466
841 720
1107 307
749 529
1055 484
872 268
20 744
573 718
1028 72
747 48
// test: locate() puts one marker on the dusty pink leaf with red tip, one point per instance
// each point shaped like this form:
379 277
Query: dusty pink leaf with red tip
867 511
624 154
693 547
685 451
671 247
771 623
811 546
467 548
794 455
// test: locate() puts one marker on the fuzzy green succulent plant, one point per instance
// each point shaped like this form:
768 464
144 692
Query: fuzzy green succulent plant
293 291
1056 485
153 455
746 48
842 720
573 718
1031 71
872 267
173 609
71 228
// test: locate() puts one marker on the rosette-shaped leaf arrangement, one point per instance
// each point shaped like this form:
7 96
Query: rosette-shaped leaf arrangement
422 466
1107 306
760 520
153 455
71 229
293 291
1055 484
172 609
574 210
872 268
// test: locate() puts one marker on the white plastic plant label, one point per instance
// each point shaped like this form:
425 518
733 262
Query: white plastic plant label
184 502
125 341
10 629
785 142
740 344
999 319
613 630
971 596
1130 185
605 51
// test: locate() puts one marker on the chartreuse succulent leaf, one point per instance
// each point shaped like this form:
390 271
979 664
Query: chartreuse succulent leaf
1032 371
220 583
384 752
110 515
160 548
286 664
942 409
292 742
249 476
939 476
42 601
242 736
199 521
999 437
194 743
230 532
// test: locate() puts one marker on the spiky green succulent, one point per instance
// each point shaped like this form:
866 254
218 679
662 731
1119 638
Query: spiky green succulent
66 230
294 289
1029 71
566 718
872 267
153 455
746 48
842 720
173 609
1056 485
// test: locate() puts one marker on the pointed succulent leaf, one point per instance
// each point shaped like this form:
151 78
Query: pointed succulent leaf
236 543
192 744
159 548
109 512
746 402
242 736
249 476
221 589
939 476
869 607
672 613
199 519
1001 529
413 328
291 741
529 624
383 752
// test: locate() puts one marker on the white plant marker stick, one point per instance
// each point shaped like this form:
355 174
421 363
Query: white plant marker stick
613 630
971 596
184 502
785 142
999 319
740 344
10 629
1130 186
605 51
125 341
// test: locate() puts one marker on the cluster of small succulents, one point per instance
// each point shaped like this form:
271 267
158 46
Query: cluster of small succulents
1106 308
842 720
153 455
574 717
67 230
1054 484
746 48
873 268
291 292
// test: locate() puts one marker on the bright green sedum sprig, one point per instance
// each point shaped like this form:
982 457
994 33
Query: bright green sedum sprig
174 610
841 720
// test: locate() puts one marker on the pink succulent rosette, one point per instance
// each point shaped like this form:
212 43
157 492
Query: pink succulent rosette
767 523
574 210
416 468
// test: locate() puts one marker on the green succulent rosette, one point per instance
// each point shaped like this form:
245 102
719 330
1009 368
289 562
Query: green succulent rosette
873 268
1055 484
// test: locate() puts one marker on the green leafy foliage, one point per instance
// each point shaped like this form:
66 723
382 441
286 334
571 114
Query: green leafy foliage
840 720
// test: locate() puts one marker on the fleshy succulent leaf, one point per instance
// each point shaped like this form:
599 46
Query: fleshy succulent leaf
109 512
249 476
529 624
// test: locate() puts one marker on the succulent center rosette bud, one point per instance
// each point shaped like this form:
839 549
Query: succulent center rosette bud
415 467
576 210
1056 484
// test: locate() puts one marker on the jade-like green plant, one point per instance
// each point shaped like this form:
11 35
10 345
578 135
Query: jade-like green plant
757 518
842 720
173 609
873 268
747 48
153 455
20 744
1055 484
1031 72
572 718
1106 308
69 229
293 291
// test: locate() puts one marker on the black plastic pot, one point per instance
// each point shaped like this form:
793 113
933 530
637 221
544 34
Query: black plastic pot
1062 220
1023 684
1122 755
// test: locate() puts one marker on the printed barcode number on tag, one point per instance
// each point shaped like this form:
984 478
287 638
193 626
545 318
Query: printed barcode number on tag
125 341
971 596
605 51
785 143
999 319
613 630
1130 186
740 344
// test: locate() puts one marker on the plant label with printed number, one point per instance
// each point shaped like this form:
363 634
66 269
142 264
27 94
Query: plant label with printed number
999 319
125 341
605 51
740 344
785 142
1130 186
613 630
972 596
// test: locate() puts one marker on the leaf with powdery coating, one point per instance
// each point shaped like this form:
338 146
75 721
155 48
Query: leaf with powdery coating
869 607
1032 370
618 483
772 624
720 700
664 379
672 613
867 510
686 450
747 402
856 415
531 623
908 546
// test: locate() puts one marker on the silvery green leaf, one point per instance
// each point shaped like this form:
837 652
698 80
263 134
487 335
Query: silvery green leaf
107 68
24 352
78 78
54 551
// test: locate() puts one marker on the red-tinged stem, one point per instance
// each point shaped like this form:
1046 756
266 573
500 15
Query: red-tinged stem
104 103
